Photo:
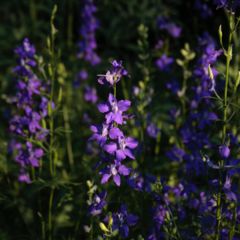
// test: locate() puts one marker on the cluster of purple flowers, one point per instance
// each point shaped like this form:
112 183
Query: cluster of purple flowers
88 27
117 148
165 23
28 90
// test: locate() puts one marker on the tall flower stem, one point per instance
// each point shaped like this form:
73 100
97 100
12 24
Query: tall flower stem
51 122
219 203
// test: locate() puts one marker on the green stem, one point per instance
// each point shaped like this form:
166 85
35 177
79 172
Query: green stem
68 136
157 147
169 210
92 228
50 214
219 203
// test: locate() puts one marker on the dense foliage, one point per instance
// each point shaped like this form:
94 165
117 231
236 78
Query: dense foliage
119 119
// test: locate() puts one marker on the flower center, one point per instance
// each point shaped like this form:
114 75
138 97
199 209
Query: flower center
113 170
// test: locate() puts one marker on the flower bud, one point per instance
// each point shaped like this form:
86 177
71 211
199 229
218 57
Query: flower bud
86 229
210 72
165 229
220 32
60 95
103 227
50 69
158 185
167 216
89 184
115 232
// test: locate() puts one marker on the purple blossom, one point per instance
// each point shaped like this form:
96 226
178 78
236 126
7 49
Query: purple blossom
87 30
121 219
29 156
164 23
44 106
98 203
80 77
164 63
175 154
32 119
91 94
121 150
24 176
114 109
133 181
101 132
116 72
153 130
114 170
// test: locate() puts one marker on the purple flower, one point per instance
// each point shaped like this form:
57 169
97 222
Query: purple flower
121 219
44 106
98 203
116 72
114 109
91 94
32 119
12 145
224 151
101 132
175 154
174 30
133 181
164 23
81 76
164 63
122 151
24 176
153 130
87 30
114 170
29 156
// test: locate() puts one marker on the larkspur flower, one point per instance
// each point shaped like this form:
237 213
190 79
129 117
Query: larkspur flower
113 109
164 63
114 170
97 204
24 176
91 94
121 149
29 156
121 219
115 73
102 131
175 154
153 130
87 30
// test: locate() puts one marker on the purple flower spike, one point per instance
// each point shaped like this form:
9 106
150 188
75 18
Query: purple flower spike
29 156
114 109
117 71
114 170
121 219
98 203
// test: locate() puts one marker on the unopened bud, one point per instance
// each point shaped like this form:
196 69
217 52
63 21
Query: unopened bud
115 232
89 184
103 227
220 32
86 229
50 69
210 74
165 229
167 216
174 231
60 95
158 185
